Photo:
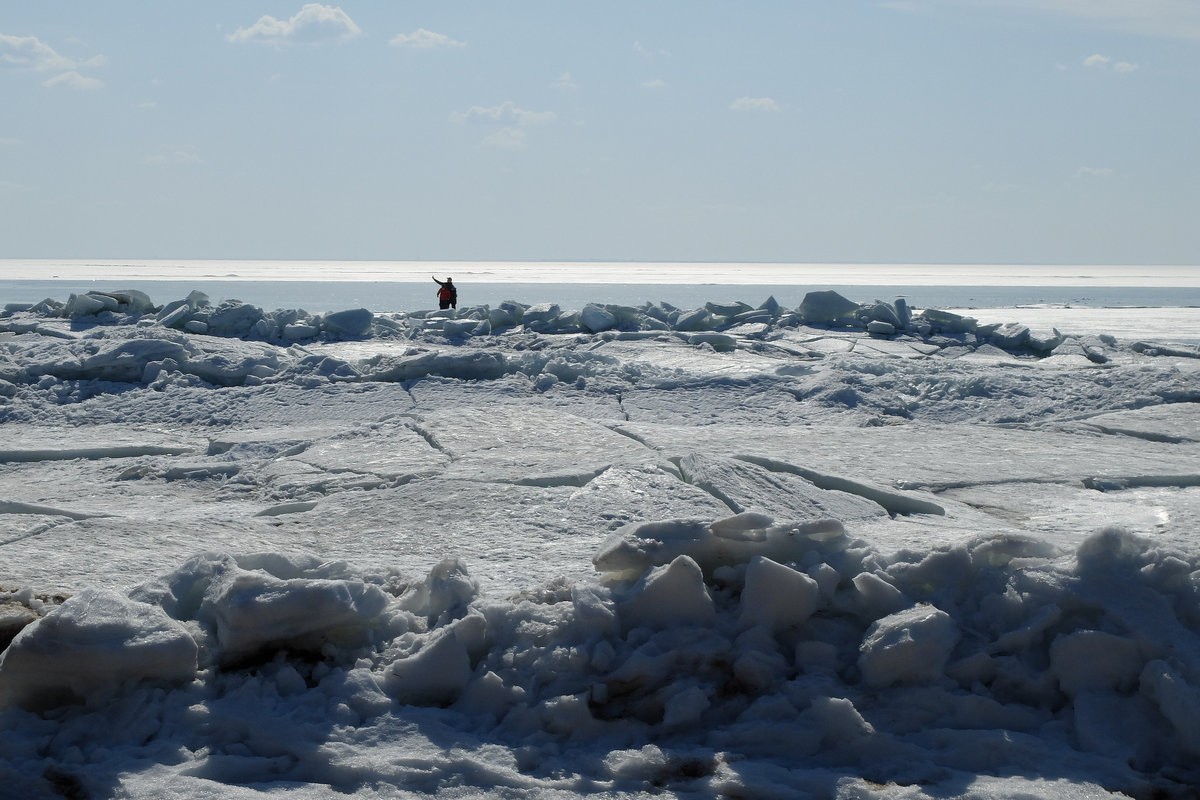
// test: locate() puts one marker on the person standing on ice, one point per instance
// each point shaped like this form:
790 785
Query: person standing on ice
447 295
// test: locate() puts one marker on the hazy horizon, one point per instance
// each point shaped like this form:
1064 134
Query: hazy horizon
599 272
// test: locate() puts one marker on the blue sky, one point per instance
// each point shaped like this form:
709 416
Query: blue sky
928 131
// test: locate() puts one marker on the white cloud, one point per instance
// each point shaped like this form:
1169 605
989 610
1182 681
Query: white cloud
1098 61
506 139
754 104
313 24
74 80
564 82
169 155
421 39
29 52
515 122
1095 172
656 83
506 112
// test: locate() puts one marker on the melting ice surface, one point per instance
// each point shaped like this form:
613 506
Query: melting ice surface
840 550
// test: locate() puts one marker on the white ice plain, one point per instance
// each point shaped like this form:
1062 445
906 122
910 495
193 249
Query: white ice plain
843 550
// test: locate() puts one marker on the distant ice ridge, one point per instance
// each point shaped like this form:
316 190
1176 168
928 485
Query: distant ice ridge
196 314
706 656
148 353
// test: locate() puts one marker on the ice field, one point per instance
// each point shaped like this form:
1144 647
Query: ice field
844 550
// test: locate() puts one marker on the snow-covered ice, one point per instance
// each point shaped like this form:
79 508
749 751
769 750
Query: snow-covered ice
849 550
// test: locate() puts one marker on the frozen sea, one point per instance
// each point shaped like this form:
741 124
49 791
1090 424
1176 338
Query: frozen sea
691 530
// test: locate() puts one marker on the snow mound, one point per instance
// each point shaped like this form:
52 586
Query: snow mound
267 604
93 643
909 646
738 635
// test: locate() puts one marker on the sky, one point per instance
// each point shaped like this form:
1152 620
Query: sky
926 131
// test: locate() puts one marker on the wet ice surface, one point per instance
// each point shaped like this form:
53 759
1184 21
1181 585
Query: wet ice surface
534 552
